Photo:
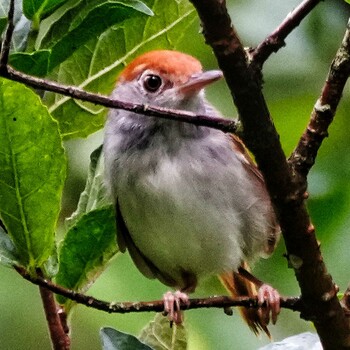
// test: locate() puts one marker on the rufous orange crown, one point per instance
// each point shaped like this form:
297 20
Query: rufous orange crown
177 66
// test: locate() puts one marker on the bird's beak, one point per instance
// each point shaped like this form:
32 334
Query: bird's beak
198 81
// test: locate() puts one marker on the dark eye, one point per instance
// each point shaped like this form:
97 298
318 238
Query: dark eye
152 82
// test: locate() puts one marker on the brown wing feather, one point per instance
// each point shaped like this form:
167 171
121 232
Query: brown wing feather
250 165
275 232
237 285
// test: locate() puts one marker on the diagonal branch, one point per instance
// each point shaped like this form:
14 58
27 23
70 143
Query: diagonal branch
303 157
246 92
276 39
303 251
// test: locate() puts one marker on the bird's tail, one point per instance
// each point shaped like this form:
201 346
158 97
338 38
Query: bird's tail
239 286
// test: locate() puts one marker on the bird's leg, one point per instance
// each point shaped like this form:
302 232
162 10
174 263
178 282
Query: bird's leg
266 294
172 303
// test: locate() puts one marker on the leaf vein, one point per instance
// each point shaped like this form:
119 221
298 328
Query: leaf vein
18 194
121 60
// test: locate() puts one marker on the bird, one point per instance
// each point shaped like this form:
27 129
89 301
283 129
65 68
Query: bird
189 201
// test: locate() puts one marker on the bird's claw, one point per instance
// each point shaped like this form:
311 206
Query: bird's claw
270 296
172 302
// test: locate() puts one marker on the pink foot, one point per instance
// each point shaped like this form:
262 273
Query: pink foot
172 302
272 298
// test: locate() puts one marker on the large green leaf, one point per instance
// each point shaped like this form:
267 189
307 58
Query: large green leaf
160 336
32 172
86 249
95 66
78 14
8 252
56 26
35 63
113 339
3 23
95 194
82 21
91 238
92 22
35 9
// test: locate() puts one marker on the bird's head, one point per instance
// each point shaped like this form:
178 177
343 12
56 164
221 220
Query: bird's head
165 78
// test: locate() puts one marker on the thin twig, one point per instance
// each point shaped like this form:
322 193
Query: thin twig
6 44
292 303
303 157
276 39
225 125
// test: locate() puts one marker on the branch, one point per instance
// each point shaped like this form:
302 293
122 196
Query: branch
303 157
345 301
60 339
6 44
259 134
225 125
276 39
317 287
246 93
291 303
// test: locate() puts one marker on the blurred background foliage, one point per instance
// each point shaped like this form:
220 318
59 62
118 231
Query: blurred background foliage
293 80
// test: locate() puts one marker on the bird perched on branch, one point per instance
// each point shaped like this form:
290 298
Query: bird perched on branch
189 201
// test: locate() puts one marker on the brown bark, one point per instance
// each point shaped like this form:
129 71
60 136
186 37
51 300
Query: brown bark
287 190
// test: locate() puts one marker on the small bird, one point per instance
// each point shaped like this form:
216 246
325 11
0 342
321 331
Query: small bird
189 201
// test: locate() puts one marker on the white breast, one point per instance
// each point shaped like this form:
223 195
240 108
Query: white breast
195 209
188 216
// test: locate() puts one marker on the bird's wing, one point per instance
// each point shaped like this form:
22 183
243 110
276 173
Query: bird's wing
274 234
249 164
145 266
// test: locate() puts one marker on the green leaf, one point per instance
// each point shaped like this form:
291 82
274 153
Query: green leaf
32 172
95 194
85 251
160 336
51 264
113 339
74 24
97 8
348 1
3 23
36 9
96 65
8 252
56 26
91 240
36 63
95 22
